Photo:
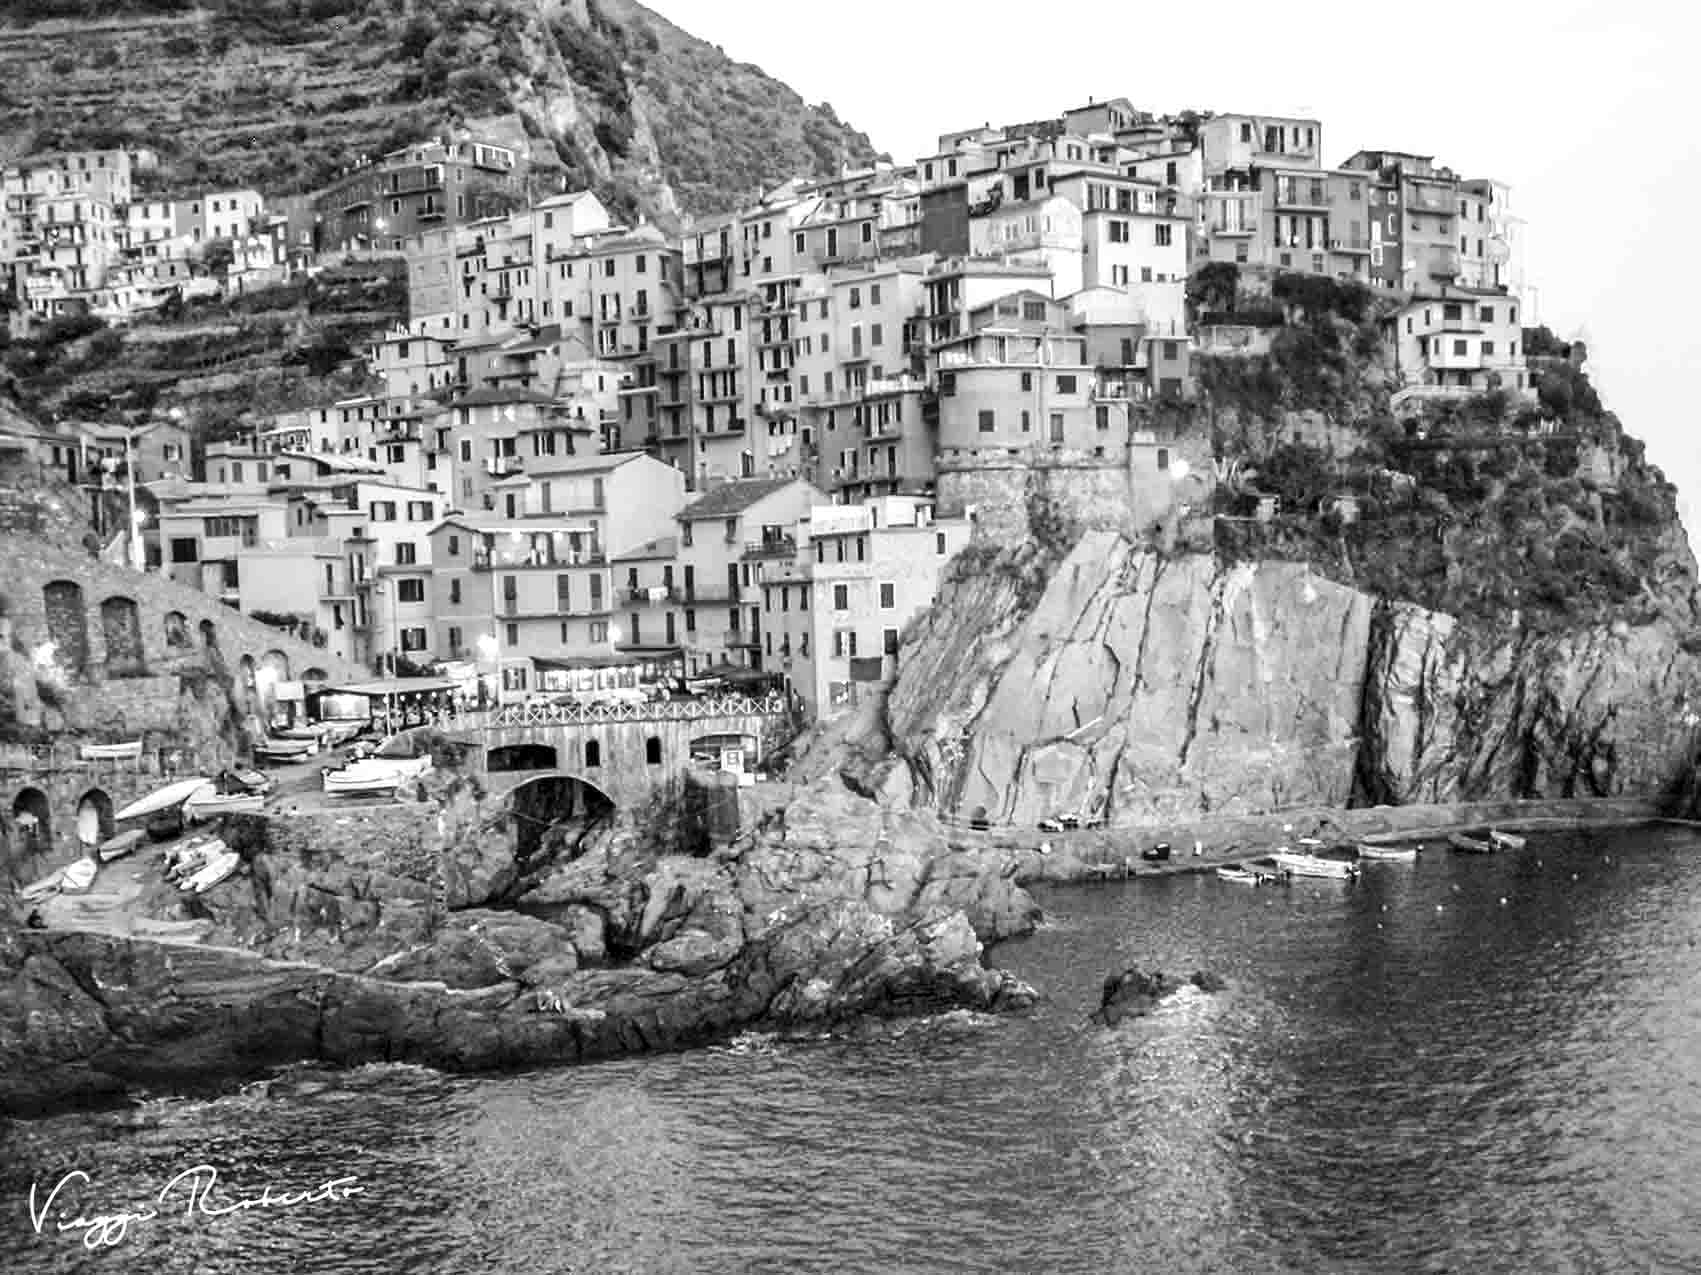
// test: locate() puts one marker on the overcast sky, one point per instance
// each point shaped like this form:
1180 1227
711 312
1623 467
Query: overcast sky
1588 110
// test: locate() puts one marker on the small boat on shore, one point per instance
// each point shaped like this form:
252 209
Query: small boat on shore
216 869
112 752
117 847
199 809
173 794
44 889
1311 865
79 876
285 750
1392 854
1506 840
188 859
1470 845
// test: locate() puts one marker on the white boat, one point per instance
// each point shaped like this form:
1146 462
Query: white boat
1402 854
46 888
190 858
121 845
1506 840
217 869
286 749
1310 865
399 759
1240 876
1471 845
113 752
173 794
210 803
79 876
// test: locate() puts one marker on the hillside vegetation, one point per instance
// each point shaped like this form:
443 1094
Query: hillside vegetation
283 94
1487 508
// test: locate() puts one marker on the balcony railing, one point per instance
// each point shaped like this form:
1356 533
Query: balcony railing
656 596
776 547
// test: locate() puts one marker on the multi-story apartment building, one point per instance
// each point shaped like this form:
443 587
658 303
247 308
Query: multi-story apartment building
1415 219
718 584
541 585
1456 342
956 287
837 594
1233 142
442 182
497 434
1018 382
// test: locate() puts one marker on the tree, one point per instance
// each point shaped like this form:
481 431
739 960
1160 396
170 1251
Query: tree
217 257
1215 286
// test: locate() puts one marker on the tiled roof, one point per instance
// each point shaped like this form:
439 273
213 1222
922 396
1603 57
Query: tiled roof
734 498
487 398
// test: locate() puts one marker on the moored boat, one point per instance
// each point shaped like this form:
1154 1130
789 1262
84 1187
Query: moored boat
1311 865
285 749
1241 876
173 794
1506 840
1470 845
1398 854
401 758
129 751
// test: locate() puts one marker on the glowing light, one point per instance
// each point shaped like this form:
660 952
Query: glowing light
487 647
614 634
42 656
264 679
1179 470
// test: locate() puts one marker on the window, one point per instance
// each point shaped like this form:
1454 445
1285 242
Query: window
1163 458
841 597
185 549
410 590
593 754
1118 231
1458 347
1066 385
1027 382
1027 422
890 641
454 637
1102 416
947 384
599 631
1487 313
418 510
1161 234
406 554
1033 311
1488 348
413 639
988 421
653 751
513 634
888 596
454 597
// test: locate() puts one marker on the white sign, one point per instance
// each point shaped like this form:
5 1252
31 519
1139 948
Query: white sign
732 760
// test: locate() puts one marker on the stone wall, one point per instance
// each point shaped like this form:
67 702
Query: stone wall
53 795
57 593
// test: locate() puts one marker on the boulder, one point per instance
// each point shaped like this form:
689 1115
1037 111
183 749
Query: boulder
1135 992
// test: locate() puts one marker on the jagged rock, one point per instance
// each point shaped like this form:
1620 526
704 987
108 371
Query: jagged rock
693 953
1154 689
1207 981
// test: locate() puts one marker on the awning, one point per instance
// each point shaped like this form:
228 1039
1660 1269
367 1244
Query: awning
627 657
393 686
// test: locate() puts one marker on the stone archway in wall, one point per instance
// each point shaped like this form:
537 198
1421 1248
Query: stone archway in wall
121 626
177 632
554 818
67 624
316 675
517 757
94 818
32 824
274 668
246 697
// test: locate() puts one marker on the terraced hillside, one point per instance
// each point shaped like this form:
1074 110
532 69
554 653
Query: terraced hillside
282 94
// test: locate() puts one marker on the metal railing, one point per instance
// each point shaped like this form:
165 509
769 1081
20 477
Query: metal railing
573 714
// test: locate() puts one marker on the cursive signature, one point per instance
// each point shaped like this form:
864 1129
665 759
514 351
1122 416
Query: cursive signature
190 1193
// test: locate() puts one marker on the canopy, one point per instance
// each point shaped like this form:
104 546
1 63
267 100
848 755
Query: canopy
394 686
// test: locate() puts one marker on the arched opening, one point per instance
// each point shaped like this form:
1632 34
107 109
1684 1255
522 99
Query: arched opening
209 635
556 819
653 751
277 664
30 818
177 631
247 696
121 625
512 757
593 754
315 675
67 624
94 818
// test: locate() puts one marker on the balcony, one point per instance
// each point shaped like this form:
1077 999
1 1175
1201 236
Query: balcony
1353 245
771 547
739 638
658 596
1421 200
710 595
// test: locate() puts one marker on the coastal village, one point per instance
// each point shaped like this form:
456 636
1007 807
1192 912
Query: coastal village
598 459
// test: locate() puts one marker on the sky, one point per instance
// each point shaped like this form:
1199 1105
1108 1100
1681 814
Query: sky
1590 112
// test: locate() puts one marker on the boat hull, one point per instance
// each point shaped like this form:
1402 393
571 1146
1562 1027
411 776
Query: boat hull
1390 854
1305 865
217 870
1506 840
112 752
174 794
213 807
1470 845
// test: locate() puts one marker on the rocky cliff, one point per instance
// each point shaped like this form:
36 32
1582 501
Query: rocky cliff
1143 688
281 94
390 934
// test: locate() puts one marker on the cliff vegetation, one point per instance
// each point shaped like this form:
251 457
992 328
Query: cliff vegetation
282 95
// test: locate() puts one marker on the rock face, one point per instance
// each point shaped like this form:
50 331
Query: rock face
1144 688
835 908
1135 992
